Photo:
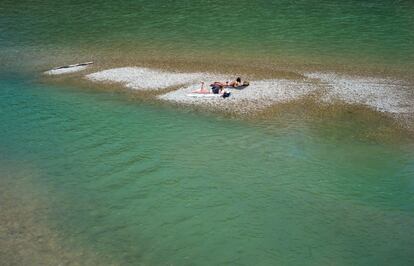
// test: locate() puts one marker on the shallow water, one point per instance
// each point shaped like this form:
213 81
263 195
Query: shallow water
302 33
154 185
88 176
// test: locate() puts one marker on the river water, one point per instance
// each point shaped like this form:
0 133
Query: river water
318 33
98 177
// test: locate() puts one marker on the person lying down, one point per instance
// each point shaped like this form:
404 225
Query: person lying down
216 89
234 84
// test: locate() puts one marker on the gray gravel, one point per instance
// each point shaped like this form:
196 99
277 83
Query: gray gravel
259 95
140 78
384 95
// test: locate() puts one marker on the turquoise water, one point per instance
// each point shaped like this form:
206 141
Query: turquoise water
304 32
157 186
146 184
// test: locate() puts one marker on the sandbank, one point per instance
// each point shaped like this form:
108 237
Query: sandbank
141 78
259 95
391 96
383 95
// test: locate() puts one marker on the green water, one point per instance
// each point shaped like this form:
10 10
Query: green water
141 184
155 186
304 32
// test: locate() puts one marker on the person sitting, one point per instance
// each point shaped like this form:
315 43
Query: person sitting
202 90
